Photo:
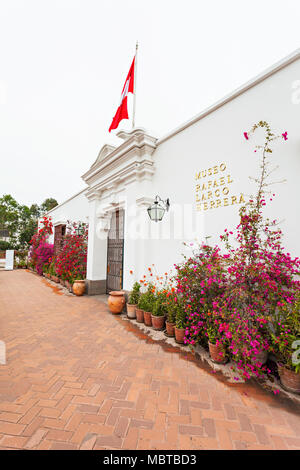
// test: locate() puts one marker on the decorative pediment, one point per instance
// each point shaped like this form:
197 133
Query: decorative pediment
125 135
131 160
106 150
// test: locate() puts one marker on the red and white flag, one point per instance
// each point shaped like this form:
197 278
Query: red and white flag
122 111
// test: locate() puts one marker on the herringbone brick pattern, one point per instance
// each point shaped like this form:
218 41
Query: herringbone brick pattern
79 378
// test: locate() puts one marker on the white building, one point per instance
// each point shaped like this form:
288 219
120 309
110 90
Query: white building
124 181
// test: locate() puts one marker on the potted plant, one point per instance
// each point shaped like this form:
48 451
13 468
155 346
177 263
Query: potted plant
285 345
180 324
158 313
139 311
133 300
216 348
149 301
171 315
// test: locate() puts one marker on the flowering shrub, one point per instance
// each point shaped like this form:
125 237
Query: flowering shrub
286 332
70 264
233 298
40 251
200 282
44 254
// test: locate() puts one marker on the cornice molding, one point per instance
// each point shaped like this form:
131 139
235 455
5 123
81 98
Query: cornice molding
131 161
144 201
234 94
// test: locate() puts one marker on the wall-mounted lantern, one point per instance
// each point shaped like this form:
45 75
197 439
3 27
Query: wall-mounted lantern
80 229
157 209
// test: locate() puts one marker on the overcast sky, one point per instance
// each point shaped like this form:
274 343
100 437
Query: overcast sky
64 62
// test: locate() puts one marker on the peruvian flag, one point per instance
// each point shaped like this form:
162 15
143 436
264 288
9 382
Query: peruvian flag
122 111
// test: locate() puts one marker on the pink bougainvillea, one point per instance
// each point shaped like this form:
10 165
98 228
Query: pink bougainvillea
234 297
39 250
44 253
70 264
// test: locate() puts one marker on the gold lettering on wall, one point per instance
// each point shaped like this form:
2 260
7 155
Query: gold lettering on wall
213 187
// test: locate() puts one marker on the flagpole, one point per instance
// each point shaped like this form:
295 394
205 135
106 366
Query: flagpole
134 85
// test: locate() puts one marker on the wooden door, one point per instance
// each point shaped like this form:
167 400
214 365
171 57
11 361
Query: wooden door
115 249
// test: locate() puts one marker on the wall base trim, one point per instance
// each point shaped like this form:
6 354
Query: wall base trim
95 287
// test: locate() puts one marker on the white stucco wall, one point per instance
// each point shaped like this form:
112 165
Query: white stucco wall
74 209
211 141
218 138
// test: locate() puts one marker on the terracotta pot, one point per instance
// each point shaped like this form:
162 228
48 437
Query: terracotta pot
216 353
116 301
139 315
78 287
289 379
262 357
170 328
158 323
179 335
131 310
147 318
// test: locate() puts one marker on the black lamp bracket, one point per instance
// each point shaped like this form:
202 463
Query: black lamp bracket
166 203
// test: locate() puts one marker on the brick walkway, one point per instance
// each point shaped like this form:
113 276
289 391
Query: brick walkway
79 378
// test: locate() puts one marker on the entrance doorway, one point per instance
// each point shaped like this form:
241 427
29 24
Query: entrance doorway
115 251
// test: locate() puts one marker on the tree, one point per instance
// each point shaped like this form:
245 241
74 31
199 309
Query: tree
48 204
27 225
20 220
9 215
35 211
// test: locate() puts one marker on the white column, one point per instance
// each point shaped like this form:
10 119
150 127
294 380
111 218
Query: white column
136 243
97 250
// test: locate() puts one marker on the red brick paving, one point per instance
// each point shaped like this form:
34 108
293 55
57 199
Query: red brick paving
79 378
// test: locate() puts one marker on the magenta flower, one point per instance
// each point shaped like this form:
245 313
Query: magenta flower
284 135
246 135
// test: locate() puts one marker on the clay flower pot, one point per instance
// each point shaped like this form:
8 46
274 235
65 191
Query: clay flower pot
170 328
147 318
179 335
158 323
139 315
116 301
131 311
289 379
262 357
216 353
78 287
